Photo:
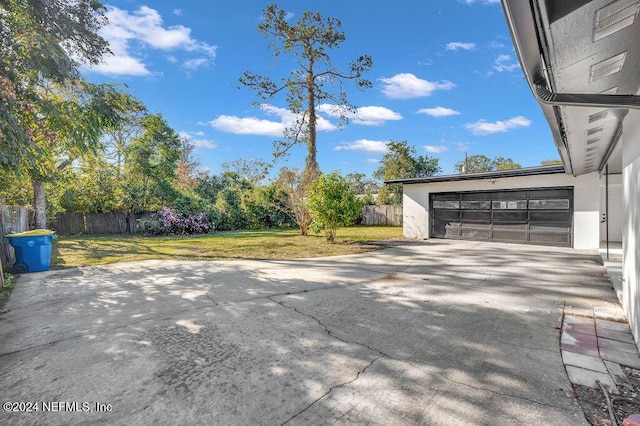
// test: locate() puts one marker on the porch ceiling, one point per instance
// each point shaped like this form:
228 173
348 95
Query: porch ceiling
581 59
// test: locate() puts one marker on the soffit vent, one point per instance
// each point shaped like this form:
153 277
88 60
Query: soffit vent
597 116
593 131
607 67
592 141
614 17
592 148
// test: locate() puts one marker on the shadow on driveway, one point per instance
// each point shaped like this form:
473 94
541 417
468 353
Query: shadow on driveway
442 333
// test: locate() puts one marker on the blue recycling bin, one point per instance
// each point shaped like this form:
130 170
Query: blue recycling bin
32 249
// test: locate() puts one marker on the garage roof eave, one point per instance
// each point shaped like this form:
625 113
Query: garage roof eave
528 171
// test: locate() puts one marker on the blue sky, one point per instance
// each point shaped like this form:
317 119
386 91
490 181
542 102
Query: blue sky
445 78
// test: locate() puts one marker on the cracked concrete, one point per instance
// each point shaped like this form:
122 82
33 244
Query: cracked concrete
441 332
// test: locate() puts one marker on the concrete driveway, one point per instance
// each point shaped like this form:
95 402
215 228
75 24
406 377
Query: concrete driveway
433 333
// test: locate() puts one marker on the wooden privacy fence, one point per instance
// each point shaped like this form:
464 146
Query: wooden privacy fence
12 219
389 215
96 223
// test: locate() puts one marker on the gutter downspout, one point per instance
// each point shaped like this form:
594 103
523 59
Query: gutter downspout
606 206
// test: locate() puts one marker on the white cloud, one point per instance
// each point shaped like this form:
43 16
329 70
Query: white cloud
462 146
144 29
406 85
196 138
436 149
177 12
194 64
483 127
438 111
204 143
366 116
288 118
373 160
261 127
505 63
457 45
247 126
364 145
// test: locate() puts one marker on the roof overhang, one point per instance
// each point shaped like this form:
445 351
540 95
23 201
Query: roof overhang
528 171
581 60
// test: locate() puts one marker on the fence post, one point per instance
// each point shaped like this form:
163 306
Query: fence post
12 219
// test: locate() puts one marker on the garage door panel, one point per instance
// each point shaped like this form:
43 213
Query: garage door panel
550 238
475 196
551 216
510 226
476 216
499 235
550 193
550 227
475 234
510 216
509 195
535 216
446 214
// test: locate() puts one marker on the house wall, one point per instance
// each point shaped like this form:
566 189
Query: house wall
631 223
616 208
586 215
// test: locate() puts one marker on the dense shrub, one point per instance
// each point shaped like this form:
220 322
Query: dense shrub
168 222
332 203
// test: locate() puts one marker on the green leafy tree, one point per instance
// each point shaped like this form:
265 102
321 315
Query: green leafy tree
501 163
482 164
360 185
150 166
92 188
76 117
254 170
551 163
474 164
312 81
401 161
41 43
332 204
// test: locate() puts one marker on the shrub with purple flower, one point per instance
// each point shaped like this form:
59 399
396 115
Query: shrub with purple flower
168 222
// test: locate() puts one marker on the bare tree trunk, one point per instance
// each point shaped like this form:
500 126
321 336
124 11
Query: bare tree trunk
40 204
312 161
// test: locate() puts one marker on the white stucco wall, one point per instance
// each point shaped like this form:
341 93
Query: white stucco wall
586 216
616 208
631 222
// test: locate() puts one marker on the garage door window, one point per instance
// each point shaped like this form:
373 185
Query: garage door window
475 205
510 205
446 204
548 204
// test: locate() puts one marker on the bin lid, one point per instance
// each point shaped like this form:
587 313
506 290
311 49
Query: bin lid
34 233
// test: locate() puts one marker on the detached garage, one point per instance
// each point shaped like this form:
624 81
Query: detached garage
533 216
538 205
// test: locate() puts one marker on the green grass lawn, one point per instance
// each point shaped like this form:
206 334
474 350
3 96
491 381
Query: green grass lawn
69 251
